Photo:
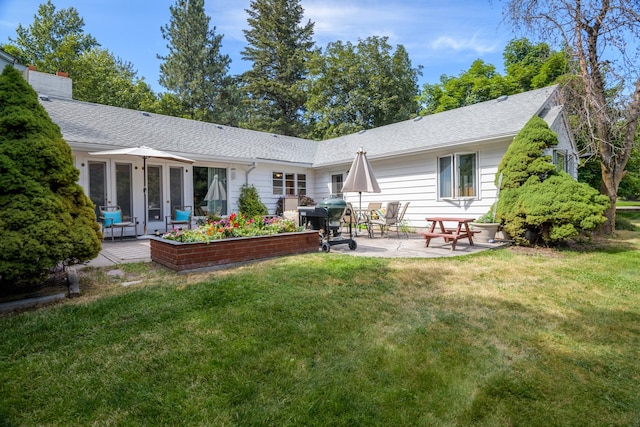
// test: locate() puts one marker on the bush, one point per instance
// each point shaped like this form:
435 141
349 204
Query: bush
249 202
45 217
536 202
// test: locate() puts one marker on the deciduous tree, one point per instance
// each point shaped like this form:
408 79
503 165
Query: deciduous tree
363 86
102 78
54 41
604 38
529 66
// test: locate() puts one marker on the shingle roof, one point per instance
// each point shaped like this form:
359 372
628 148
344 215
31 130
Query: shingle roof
86 123
478 122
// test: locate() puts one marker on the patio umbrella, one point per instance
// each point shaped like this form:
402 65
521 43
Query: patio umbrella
360 178
146 153
216 191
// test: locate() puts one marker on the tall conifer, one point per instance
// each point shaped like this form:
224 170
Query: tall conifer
45 217
280 49
195 70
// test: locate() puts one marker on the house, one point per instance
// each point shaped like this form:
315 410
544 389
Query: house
443 164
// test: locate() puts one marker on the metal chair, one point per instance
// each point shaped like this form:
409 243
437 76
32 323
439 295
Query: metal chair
398 223
364 217
390 217
112 217
180 215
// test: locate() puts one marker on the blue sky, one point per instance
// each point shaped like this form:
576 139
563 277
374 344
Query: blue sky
444 36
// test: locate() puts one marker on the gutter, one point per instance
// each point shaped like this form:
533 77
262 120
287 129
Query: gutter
246 174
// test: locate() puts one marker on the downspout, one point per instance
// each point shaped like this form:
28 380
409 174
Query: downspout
246 174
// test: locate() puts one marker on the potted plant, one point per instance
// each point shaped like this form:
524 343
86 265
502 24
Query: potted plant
486 228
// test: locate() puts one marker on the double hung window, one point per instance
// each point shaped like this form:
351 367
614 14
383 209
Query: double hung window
458 176
289 183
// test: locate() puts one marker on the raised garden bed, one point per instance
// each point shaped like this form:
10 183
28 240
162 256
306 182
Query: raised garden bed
180 256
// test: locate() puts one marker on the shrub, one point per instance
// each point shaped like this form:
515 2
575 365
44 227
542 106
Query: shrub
45 217
536 202
249 202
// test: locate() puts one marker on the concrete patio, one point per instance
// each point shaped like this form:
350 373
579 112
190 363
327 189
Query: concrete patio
137 250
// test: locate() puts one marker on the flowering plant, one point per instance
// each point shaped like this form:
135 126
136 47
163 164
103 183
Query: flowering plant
234 226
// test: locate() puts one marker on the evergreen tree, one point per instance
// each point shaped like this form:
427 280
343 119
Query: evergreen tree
45 217
280 50
538 204
195 70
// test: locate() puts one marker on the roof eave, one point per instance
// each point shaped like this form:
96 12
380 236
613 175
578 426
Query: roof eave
392 154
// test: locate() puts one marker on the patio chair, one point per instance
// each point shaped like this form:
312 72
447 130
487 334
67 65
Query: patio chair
385 221
180 215
112 217
348 219
365 216
290 203
398 223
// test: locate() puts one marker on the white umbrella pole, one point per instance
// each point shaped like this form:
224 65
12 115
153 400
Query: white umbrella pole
359 212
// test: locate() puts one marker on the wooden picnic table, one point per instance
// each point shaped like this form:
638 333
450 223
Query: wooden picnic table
462 230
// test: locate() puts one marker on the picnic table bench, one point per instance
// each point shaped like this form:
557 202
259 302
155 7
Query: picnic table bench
461 231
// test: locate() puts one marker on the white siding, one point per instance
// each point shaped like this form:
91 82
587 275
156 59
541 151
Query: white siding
414 178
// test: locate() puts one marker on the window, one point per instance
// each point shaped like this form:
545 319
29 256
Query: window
124 192
289 183
210 191
336 185
560 160
302 184
278 182
154 193
457 176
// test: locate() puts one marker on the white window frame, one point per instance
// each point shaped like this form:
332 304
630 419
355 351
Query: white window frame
299 181
455 178
335 191
557 155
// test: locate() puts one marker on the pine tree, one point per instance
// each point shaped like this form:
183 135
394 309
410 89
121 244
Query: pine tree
280 50
195 70
45 217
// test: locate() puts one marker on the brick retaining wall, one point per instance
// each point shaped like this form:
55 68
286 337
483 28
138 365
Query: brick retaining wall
191 256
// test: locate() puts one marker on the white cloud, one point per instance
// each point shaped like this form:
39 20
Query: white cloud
461 44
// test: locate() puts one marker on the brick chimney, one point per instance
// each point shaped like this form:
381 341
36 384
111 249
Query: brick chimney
55 86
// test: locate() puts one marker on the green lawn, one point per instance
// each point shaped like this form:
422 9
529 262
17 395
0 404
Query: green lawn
628 203
536 338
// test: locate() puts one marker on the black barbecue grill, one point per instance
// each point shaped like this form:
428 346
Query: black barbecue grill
328 219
